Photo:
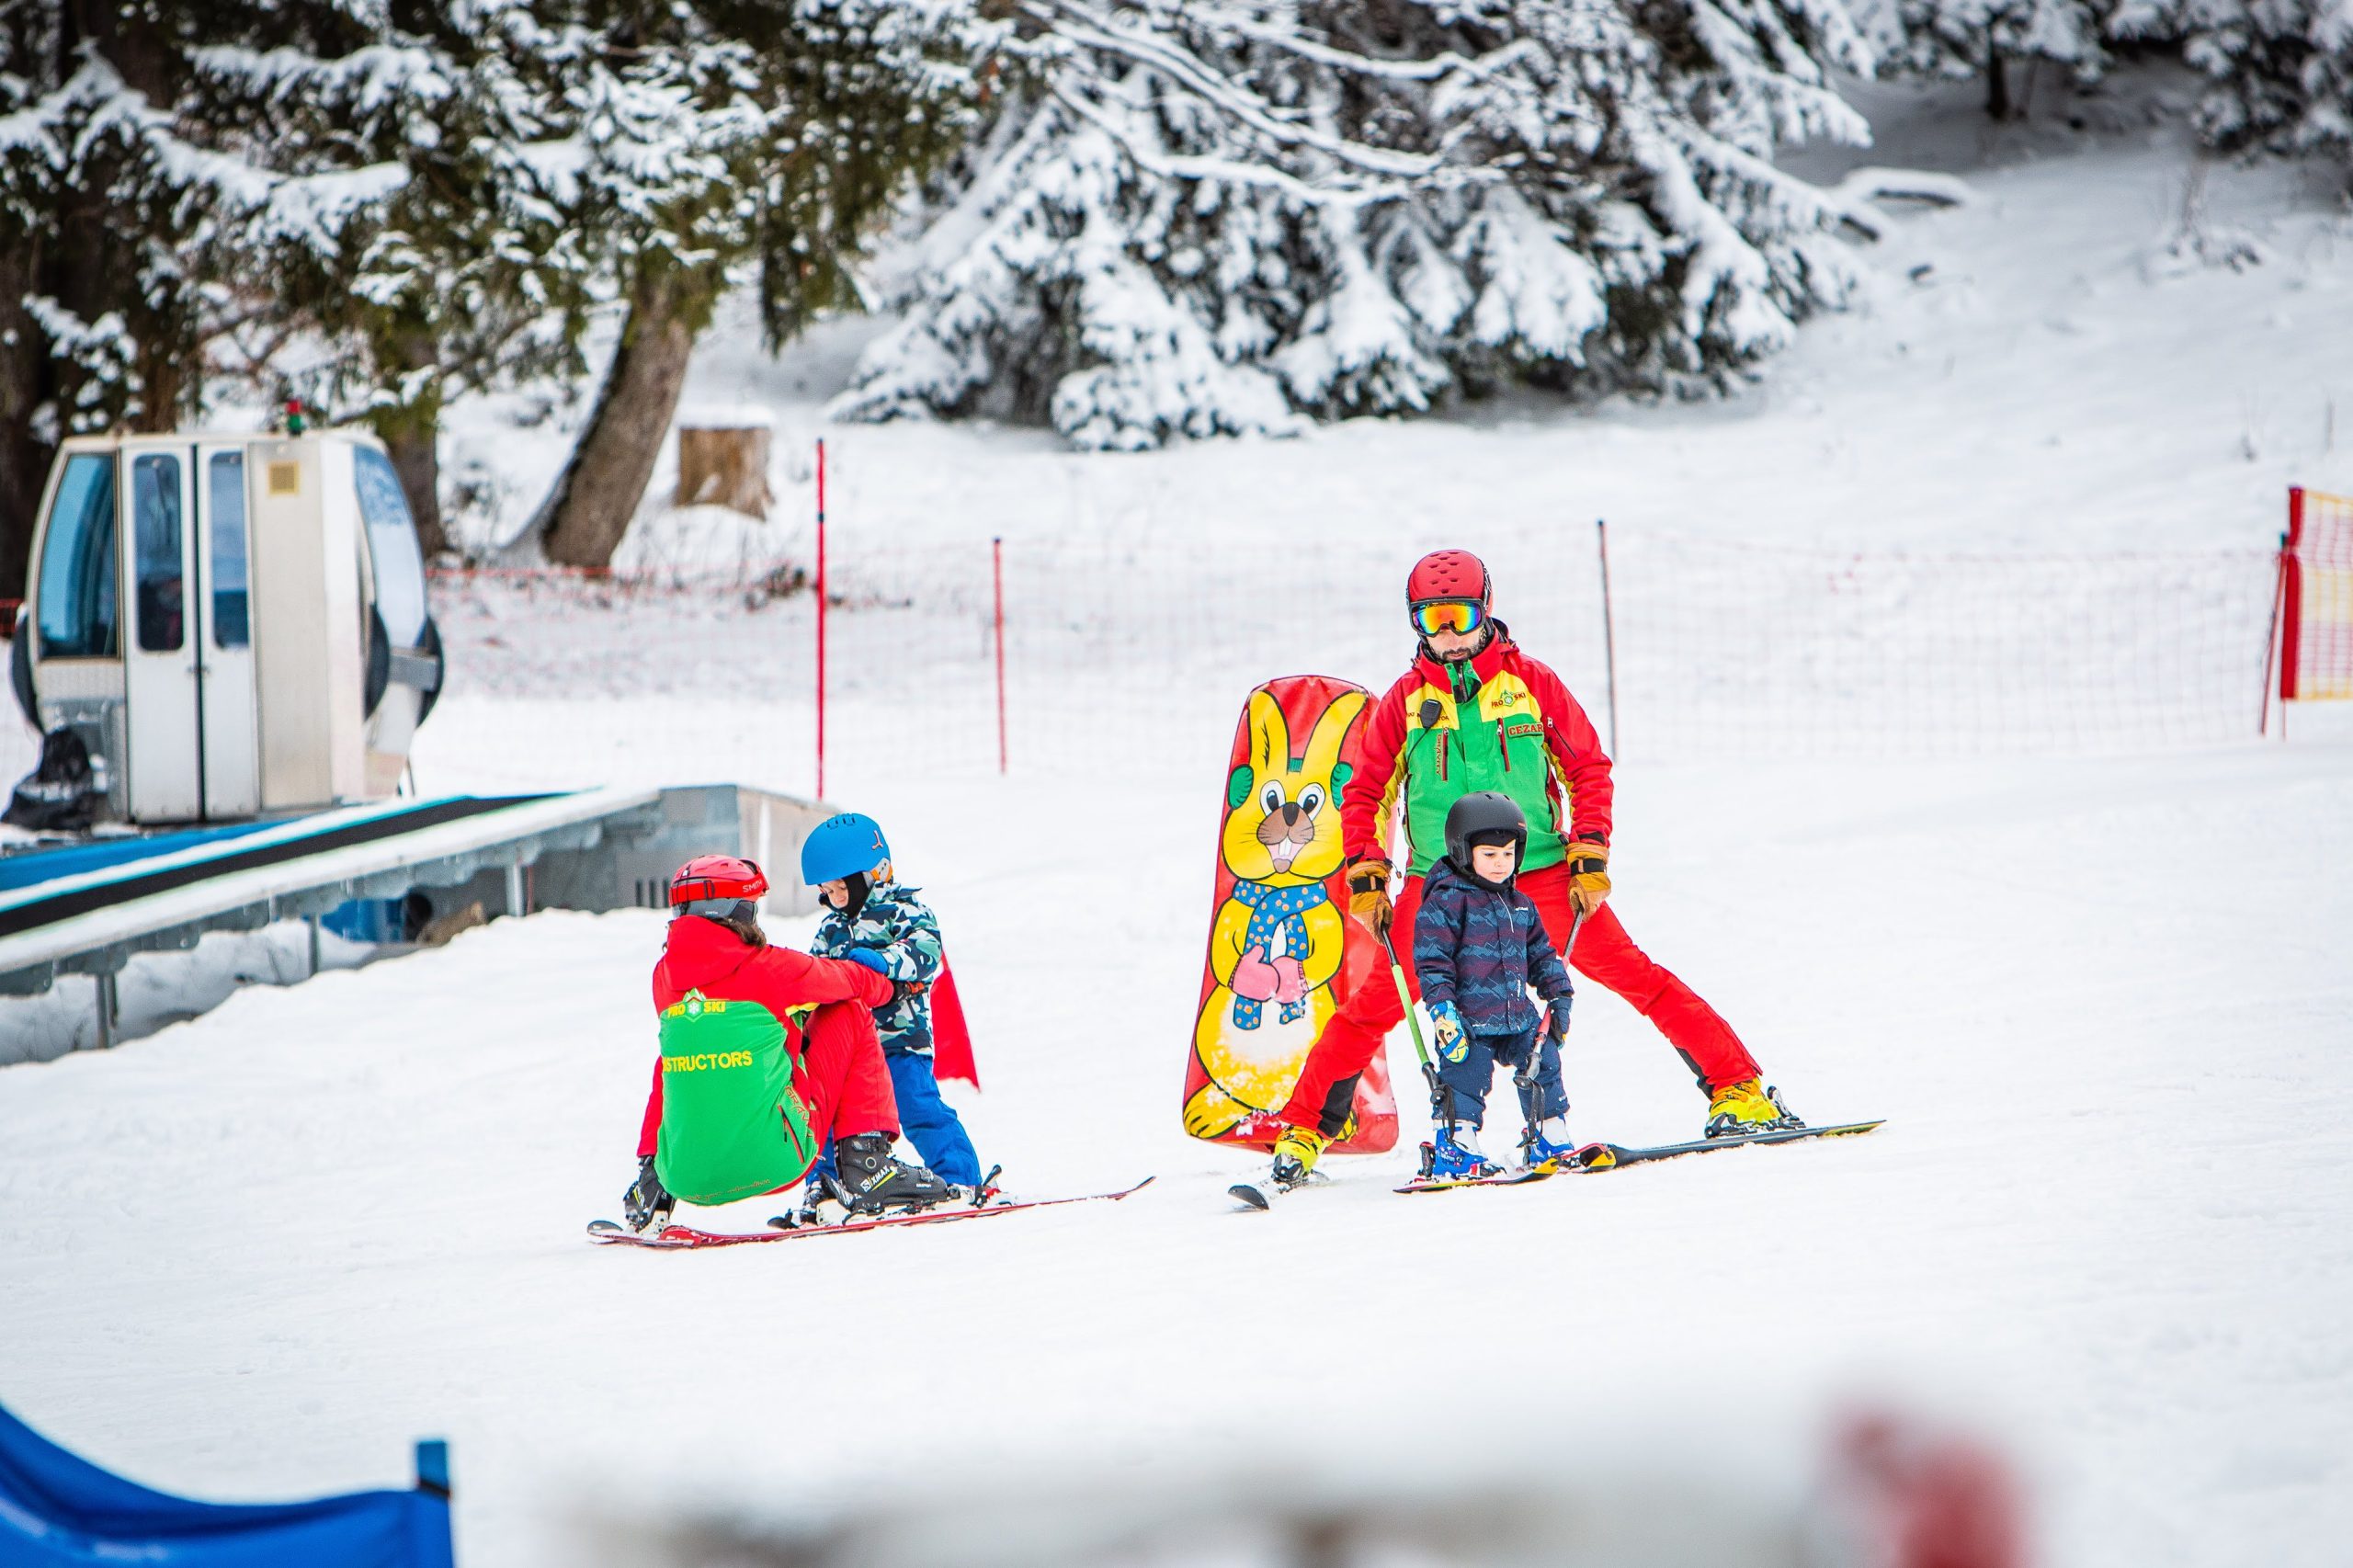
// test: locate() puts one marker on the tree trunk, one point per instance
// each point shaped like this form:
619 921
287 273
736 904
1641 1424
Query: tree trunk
412 438
598 493
1997 83
24 455
724 466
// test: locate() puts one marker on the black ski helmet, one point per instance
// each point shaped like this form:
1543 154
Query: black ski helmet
1488 817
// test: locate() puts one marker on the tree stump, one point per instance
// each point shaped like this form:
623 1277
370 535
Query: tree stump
724 466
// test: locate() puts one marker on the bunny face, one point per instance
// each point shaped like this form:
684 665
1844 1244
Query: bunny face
1282 825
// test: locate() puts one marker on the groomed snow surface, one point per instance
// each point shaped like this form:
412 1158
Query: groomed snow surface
2104 1004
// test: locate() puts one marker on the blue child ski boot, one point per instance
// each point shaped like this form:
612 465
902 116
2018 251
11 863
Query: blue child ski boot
1547 1144
1453 1154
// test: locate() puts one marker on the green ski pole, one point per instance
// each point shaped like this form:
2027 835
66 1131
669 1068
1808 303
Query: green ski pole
1441 1102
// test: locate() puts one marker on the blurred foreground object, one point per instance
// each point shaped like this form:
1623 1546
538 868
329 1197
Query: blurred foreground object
1890 1493
57 1510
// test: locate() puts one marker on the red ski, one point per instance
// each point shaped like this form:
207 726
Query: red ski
679 1238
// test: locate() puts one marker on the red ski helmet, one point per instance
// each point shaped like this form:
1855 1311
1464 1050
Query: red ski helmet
1445 575
716 877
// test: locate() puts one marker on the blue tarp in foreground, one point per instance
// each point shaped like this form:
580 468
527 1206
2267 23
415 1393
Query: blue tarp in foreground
56 1509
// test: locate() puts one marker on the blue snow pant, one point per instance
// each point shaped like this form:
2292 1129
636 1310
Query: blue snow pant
929 1122
1464 1083
926 1120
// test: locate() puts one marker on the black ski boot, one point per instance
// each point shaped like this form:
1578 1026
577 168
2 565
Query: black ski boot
869 1180
647 1203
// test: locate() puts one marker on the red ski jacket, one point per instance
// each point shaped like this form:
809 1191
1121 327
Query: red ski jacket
702 955
1443 732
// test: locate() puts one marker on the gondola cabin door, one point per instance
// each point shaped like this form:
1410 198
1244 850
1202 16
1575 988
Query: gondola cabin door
188 667
226 696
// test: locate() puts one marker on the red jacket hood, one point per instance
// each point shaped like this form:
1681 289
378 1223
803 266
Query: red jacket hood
700 952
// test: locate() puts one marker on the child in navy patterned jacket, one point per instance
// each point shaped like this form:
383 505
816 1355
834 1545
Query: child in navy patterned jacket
1479 944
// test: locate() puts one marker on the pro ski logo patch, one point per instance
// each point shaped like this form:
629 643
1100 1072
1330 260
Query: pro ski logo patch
693 1005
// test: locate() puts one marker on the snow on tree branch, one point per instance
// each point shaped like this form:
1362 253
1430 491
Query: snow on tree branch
1226 216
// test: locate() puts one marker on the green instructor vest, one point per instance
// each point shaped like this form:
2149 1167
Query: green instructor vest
1461 741
732 1125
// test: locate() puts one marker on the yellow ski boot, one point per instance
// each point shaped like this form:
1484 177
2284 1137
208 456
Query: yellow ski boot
1295 1156
1738 1110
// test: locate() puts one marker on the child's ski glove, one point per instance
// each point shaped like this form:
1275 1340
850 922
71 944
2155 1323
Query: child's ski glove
871 958
1454 1039
1368 894
1556 1021
1589 874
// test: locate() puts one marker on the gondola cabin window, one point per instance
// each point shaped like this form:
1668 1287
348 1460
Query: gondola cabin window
76 595
158 556
392 545
231 614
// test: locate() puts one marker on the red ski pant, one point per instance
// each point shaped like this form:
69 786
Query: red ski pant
839 1072
1327 1084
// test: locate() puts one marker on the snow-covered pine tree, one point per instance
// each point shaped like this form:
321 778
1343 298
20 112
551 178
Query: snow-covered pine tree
727 140
1962 38
450 266
118 196
1216 216
2281 72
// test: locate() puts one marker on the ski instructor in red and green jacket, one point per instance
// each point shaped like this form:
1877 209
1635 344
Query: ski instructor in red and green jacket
764 1054
1475 714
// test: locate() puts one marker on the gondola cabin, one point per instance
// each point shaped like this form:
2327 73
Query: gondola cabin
236 624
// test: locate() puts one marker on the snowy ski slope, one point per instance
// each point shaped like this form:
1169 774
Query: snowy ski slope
2104 1004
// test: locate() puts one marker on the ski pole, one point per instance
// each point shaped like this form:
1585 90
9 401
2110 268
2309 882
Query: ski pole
1525 1079
1441 1102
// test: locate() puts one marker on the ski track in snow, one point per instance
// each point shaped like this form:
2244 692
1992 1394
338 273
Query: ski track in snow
2104 1004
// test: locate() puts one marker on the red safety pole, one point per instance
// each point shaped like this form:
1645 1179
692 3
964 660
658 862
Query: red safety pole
821 618
2292 601
997 573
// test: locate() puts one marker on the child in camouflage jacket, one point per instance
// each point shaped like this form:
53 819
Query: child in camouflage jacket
872 919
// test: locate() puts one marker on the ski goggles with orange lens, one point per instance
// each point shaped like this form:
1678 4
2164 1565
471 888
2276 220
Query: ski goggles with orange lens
1462 617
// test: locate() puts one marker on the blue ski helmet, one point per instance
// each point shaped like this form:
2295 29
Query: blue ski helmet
846 845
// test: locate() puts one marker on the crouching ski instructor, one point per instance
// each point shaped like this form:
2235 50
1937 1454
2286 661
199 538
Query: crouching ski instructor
766 1053
1474 713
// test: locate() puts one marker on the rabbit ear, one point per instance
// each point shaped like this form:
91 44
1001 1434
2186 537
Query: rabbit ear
1330 729
1269 735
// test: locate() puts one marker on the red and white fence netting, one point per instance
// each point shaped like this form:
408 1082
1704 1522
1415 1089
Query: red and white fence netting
1726 649
1142 652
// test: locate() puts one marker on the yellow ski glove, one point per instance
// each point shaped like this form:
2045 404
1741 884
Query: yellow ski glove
1589 874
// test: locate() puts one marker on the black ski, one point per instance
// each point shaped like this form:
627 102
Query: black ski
1261 1194
1592 1158
1609 1156
1510 1176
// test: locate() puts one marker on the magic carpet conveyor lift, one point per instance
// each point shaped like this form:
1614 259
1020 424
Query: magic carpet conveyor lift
232 629
90 908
